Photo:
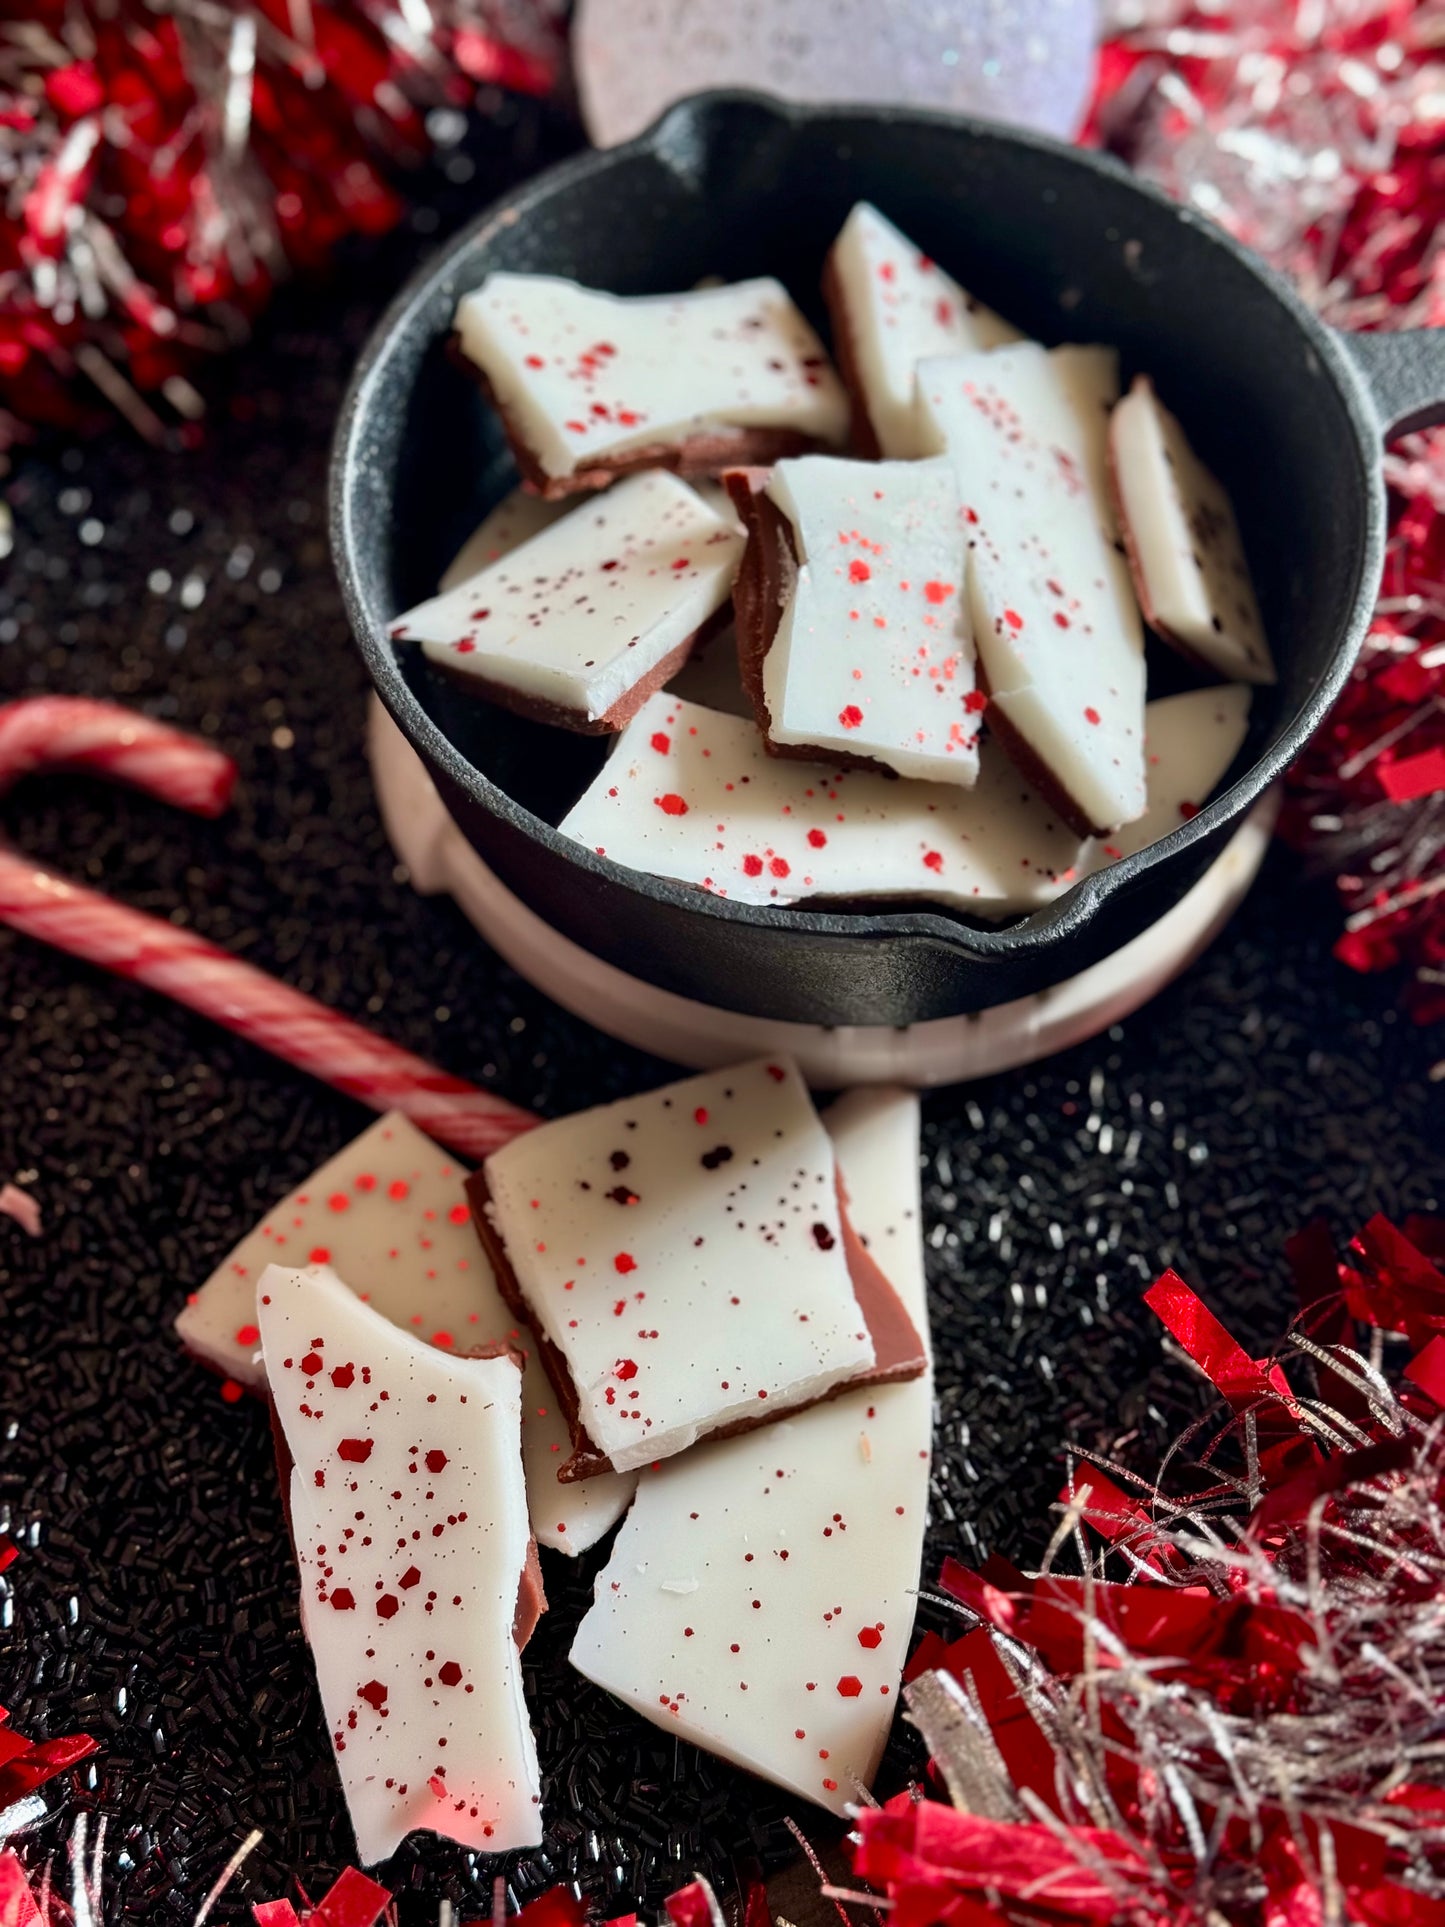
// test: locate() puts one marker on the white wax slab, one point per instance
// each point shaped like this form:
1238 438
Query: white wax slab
580 613
683 1250
1055 620
873 653
515 520
389 1214
1184 543
691 794
760 1596
409 1517
521 515
901 307
584 375
1189 742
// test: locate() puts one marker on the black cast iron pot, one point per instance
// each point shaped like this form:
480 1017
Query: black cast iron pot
1068 245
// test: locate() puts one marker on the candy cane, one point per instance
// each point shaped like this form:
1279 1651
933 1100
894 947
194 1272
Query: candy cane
47 732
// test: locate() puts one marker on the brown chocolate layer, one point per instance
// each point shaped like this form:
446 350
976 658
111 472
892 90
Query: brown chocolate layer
861 431
558 715
898 1351
698 457
769 562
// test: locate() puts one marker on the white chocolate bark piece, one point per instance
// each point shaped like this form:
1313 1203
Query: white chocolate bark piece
572 621
1189 742
873 653
521 515
1057 628
583 377
691 794
684 1252
515 520
1183 542
895 307
409 1517
760 1596
389 1215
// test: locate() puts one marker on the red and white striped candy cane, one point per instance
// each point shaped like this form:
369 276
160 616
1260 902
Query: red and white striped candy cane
54 732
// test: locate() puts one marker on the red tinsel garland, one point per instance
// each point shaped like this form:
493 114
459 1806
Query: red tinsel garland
163 161
1243 1725
1315 131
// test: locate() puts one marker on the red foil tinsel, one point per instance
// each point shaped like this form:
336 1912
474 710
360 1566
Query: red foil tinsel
162 162
1242 1724
1315 131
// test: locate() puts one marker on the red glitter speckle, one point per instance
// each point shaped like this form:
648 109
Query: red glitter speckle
871 1636
355 1451
624 1262
398 1189
338 1201
311 1364
851 717
850 1686
1091 715
625 1368
231 1392
699 1116
752 866
459 1214
933 860
343 1377
661 742
671 804
535 361
1186 810
247 1335
975 702
859 571
938 591
318 1255
779 866
1013 618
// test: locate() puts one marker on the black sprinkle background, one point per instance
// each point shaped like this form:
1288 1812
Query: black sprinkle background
155 1602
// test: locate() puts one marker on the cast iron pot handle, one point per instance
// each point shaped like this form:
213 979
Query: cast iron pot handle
1405 374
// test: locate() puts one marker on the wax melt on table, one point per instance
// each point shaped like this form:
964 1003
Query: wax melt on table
389 1215
593 385
891 306
761 1593
409 1518
853 624
692 794
579 624
1183 542
1058 631
685 1258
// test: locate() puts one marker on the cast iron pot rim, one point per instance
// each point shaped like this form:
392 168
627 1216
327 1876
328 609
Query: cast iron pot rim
1083 900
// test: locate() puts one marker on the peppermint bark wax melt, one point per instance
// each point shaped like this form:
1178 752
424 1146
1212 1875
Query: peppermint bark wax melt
761 1593
389 1215
409 1518
591 386
581 623
685 1258
692 794
1184 543
891 306
853 628
1059 637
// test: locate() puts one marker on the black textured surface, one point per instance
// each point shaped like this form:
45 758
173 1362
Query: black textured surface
154 1605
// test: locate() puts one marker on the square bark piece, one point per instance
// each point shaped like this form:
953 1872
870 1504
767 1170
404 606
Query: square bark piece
686 1258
